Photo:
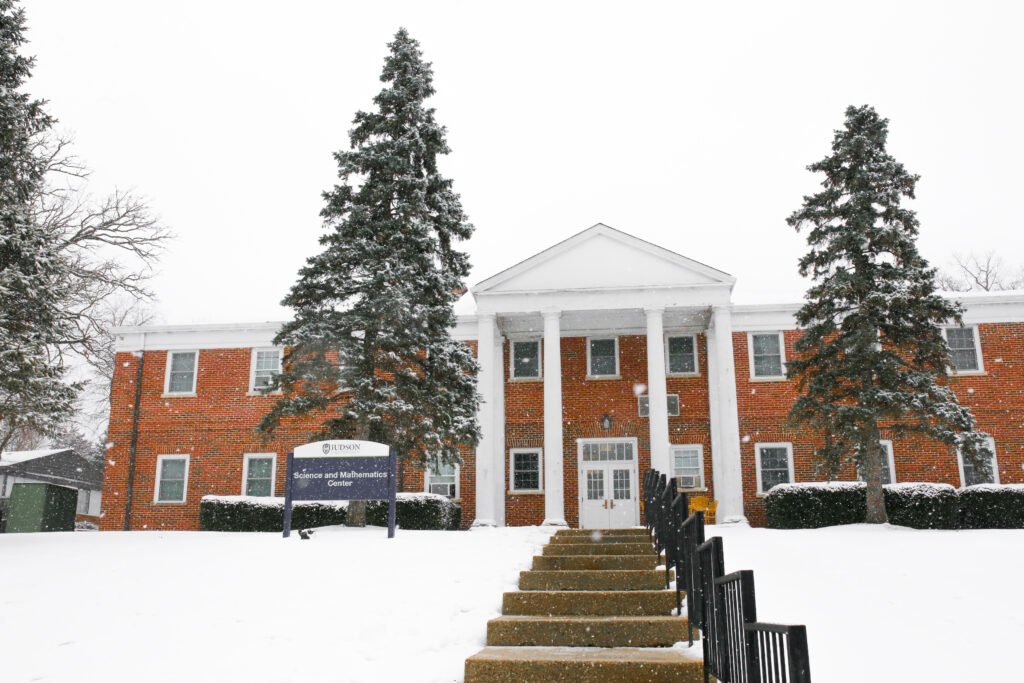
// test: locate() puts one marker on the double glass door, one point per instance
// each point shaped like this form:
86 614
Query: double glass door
608 484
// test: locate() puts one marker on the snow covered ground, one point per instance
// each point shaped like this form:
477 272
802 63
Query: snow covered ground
880 604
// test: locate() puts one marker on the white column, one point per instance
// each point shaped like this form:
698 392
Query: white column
725 423
498 419
554 495
657 390
485 474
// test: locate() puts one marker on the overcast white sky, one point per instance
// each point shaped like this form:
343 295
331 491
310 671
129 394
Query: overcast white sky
686 124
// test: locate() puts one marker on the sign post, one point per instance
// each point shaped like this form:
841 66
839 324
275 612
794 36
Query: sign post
341 470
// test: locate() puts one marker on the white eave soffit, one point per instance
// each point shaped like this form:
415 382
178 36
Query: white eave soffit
603 258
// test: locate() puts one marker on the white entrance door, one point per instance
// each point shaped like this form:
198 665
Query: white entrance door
608 484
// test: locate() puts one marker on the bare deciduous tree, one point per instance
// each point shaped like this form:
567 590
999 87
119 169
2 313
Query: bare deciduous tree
980 273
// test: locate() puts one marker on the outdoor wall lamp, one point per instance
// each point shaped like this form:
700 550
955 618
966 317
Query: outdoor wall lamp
606 421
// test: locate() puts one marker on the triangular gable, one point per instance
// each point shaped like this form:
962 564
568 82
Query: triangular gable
601 257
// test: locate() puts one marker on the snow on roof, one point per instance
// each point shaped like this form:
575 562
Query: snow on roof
15 457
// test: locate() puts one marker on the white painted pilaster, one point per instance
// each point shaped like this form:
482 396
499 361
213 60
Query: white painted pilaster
498 420
485 471
657 390
554 494
725 425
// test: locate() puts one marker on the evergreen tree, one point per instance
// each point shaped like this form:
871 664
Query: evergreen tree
33 393
872 354
371 355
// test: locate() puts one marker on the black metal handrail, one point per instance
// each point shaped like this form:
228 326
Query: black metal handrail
737 647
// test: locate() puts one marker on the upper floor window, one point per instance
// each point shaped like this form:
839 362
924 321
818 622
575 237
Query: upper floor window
603 357
526 359
181 372
682 355
266 364
774 465
171 479
644 404
443 480
964 348
527 469
888 465
688 466
767 355
258 474
969 474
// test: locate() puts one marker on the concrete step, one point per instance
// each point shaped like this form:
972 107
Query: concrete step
589 580
556 562
608 532
599 538
582 665
586 631
593 603
599 549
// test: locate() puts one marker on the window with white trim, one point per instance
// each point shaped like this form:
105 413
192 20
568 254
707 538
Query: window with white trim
964 348
527 467
84 496
171 479
888 464
258 470
181 372
443 480
526 363
774 465
767 355
682 354
969 474
688 466
643 404
266 364
603 357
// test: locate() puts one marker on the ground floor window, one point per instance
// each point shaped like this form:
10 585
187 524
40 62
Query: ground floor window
258 474
443 480
774 465
527 467
171 479
688 466
969 474
888 466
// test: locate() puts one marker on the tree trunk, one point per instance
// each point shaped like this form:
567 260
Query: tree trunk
873 477
357 508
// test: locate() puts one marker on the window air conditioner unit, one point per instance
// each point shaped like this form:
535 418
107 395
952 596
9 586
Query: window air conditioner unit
689 481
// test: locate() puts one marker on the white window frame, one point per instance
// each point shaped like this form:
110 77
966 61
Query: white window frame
788 445
253 391
512 469
458 489
512 360
167 373
617 374
696 357
782 355
700 458
977 351
246 457
886 445
995 463
156 480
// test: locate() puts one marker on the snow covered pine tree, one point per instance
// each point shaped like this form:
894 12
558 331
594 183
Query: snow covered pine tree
872 352
380 294
33 393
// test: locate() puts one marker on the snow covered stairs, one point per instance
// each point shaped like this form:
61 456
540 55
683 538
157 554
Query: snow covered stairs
592 609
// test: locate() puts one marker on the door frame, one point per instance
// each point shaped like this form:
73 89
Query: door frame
634 483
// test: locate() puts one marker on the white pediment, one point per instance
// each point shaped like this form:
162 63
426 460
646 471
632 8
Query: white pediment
602 258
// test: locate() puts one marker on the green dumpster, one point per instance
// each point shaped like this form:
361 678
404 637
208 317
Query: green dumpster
41 507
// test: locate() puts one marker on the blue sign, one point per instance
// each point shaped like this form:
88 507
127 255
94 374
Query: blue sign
341 470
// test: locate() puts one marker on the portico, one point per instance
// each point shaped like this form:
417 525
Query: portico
589 319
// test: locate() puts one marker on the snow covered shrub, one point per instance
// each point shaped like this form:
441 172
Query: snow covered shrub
922 506
992 506
815 505
252 513
417 511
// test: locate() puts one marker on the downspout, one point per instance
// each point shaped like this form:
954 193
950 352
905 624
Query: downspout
135 437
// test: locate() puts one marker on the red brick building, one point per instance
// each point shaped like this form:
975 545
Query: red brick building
572 343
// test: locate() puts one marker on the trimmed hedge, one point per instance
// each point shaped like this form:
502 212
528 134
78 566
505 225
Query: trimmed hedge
922 506
812 506
992 506
249 513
